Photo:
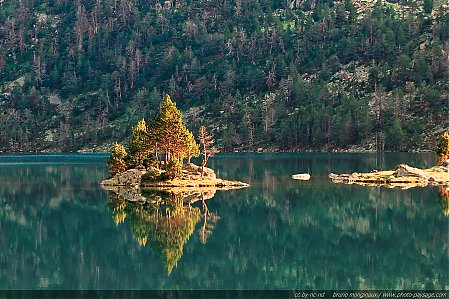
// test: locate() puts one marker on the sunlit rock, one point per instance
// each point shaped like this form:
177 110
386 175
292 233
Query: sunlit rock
404 177
301 176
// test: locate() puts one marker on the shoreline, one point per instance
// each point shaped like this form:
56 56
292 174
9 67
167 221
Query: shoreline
403 177
224 152
189 179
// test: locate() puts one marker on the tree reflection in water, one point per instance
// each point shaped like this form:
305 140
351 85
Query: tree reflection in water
444 199
164 219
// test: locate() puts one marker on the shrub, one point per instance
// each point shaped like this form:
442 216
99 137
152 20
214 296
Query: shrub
173 169
152 176
116 162
442 149
150 161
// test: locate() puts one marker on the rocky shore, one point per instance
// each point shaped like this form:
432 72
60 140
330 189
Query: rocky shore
403 177
189 179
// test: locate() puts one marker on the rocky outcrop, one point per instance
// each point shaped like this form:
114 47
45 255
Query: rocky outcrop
301 176
404 170
404 177
190 178
129 178
196 170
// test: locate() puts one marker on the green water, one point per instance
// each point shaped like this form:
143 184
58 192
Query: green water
58 228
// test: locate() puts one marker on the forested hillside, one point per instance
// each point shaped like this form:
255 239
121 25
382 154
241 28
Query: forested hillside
271 74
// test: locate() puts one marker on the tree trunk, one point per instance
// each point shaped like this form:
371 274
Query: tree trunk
203 164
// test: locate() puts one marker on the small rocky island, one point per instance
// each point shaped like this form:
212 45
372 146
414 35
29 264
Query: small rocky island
189 178
155 154
404 176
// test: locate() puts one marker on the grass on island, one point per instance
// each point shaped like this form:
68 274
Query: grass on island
189 180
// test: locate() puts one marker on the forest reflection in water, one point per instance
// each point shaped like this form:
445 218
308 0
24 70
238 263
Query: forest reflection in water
444 199
58 228
163 219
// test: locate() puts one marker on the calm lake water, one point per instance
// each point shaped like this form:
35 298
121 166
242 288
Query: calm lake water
60 230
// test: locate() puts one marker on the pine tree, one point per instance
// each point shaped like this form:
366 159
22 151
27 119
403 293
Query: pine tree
168 134
352 13
428 6
139 146
207 146
173 169
116 162
442 149
193 149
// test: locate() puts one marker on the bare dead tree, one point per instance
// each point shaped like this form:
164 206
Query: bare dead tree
207 147
2 63
81 26
249 127
39 68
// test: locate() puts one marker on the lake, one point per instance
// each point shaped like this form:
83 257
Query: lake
60 230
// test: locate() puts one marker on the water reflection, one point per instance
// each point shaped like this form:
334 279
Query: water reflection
279 234
164 220
443 198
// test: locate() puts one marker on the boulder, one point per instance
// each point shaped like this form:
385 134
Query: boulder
208 172
301 176
191 167
446 163
404 170
130 178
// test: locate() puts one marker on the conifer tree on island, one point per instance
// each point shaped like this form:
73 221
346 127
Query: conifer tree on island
442 149
116 162
193 149
165 139
168 134
138 145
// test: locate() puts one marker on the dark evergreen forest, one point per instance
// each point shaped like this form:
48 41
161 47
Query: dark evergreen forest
271 74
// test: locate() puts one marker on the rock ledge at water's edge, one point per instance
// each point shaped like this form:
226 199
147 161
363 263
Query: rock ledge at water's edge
404 177
189 179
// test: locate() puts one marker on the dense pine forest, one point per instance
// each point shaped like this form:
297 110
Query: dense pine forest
260 74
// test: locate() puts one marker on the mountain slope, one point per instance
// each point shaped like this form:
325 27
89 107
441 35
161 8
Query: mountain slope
295 75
